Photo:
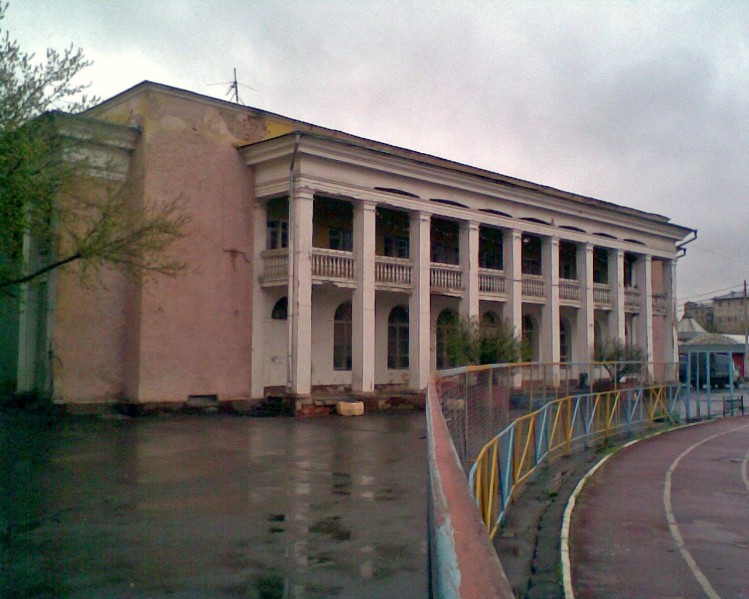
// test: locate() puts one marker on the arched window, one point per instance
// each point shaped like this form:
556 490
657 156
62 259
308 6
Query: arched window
565 349
280 309
529 338
398 338
445 324
342 337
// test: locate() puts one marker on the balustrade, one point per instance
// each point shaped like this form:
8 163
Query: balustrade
660 303
569 290
332 264
533 286
631 298
275 264
392 271
447 276
602 294
491 281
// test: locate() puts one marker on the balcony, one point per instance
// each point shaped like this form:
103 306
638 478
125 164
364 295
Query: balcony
492 282
533 287
602 295
632 299
275 267
327 266
660 304
392 273
569 291
332 265
446 278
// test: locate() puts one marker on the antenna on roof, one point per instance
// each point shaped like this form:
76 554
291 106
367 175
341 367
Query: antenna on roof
233 91
235 86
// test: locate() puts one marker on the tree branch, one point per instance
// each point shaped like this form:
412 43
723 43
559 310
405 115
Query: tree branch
41 271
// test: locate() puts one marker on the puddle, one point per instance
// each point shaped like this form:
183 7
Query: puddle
213 507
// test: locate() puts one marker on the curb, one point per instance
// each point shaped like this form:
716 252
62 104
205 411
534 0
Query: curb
564 547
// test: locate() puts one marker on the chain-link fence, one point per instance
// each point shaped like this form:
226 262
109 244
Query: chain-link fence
480 401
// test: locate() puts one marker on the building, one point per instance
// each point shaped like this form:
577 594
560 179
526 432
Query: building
319 260
727 314
730 313
701 312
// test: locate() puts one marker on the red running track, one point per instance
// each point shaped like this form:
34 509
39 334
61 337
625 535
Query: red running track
667 517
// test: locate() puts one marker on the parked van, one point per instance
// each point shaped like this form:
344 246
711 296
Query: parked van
722 370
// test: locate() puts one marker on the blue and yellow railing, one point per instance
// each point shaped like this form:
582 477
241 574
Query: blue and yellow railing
509 458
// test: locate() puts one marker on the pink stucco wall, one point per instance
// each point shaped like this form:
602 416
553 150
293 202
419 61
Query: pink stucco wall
171 337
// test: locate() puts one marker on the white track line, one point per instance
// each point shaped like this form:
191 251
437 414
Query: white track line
569 593
674 528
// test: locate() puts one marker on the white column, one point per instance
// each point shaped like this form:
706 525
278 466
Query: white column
586 314
260 311
300 302
419 305
616 280
469 259
512 263
550 312
644 281
671 346
363 347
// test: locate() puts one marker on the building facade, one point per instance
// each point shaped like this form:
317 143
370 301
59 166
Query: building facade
725 314
319 260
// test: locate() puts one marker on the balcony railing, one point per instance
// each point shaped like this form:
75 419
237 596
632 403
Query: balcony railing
492 281
393 271
569 290
275 264
602 294
332 264
533 286
660 303
631 299
447 277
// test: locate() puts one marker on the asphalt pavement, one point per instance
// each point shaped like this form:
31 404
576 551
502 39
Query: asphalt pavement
213 506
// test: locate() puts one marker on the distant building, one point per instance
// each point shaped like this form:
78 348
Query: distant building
726 314
701 312
729 313
319 260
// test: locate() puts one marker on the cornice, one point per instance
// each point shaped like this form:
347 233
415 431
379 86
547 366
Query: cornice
524 201
95 131
335 189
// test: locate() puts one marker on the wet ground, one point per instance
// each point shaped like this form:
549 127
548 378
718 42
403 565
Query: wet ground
213 506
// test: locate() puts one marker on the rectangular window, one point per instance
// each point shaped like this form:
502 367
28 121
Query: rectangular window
277 234
396 247
567 261
629 262
531 255
490 258
341 239
442 254
600 266
490 248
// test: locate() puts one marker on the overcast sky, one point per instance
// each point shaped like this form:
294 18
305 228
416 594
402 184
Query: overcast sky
645 104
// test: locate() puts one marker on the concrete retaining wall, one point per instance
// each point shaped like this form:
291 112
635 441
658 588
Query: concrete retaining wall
462 560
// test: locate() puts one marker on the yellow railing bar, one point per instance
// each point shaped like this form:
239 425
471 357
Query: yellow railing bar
486 481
